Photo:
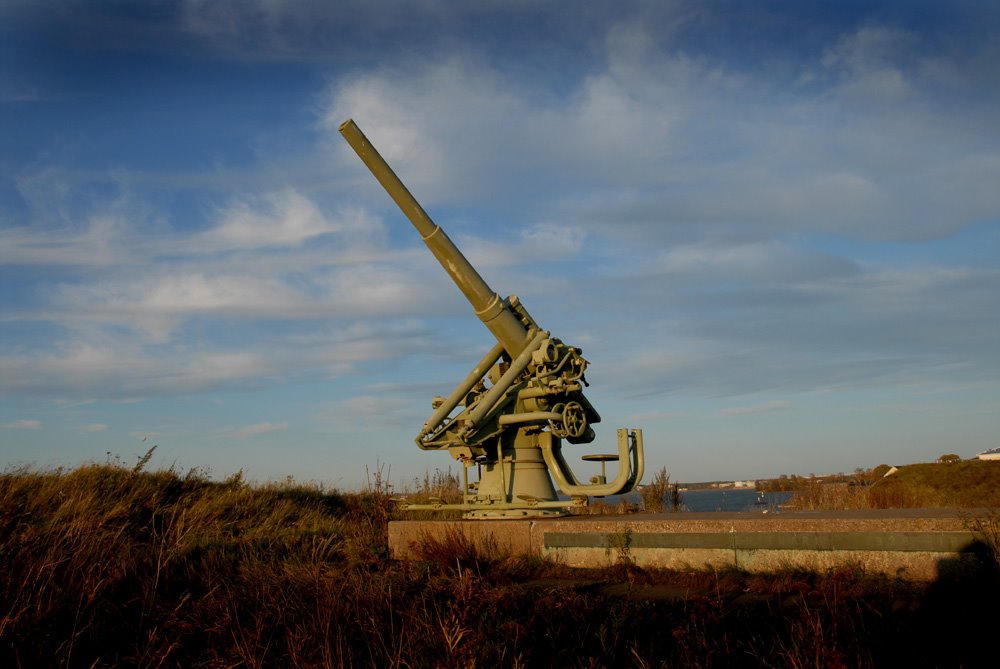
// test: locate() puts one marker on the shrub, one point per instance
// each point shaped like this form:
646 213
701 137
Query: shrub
654 494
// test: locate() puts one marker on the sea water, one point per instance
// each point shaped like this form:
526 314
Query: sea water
733 499
715 499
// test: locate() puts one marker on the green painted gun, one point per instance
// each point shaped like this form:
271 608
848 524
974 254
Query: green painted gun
508 417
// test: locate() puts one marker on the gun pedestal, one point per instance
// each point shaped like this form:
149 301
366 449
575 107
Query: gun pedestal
514 486
509 415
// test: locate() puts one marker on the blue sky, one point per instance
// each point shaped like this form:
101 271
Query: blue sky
774 228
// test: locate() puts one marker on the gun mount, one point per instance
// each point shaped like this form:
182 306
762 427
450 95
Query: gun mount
508 417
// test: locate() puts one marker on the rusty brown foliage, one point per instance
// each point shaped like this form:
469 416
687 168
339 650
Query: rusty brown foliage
108 566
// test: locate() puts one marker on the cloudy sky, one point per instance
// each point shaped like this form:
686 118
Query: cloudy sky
774 227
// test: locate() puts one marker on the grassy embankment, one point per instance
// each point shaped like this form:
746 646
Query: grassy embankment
113 566
965 484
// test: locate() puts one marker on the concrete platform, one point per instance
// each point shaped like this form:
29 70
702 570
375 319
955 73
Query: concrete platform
913 543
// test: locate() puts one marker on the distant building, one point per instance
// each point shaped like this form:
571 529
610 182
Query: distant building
992 454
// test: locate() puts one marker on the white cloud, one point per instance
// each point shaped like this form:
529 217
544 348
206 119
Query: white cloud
281 219
429 127
766 407
869 61
275 256
747 328
700 148
553 240
260 428
762 261
158 305
121 367
688 181
719 205
398 408
276 30
94 427
98 243
24 424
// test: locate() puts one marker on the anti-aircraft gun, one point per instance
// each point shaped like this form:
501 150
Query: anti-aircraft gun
518 403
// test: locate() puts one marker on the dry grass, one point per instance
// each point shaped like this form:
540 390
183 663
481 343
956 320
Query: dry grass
660 495
441 485
110 566
967 484
601 507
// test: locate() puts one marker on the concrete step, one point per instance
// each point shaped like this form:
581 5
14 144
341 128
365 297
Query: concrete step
911 543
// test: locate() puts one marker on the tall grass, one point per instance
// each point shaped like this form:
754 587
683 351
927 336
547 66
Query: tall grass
964 484
660 494
119 565
109 565
441 485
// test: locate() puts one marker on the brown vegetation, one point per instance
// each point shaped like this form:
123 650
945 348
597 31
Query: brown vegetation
945 484
660 494
112 566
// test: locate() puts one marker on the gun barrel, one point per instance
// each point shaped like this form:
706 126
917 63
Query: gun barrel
489 307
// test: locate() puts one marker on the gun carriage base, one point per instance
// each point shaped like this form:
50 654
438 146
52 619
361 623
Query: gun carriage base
513 433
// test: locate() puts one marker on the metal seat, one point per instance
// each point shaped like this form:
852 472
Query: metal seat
602 458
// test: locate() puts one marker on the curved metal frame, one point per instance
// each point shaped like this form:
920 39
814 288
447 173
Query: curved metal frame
631 464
